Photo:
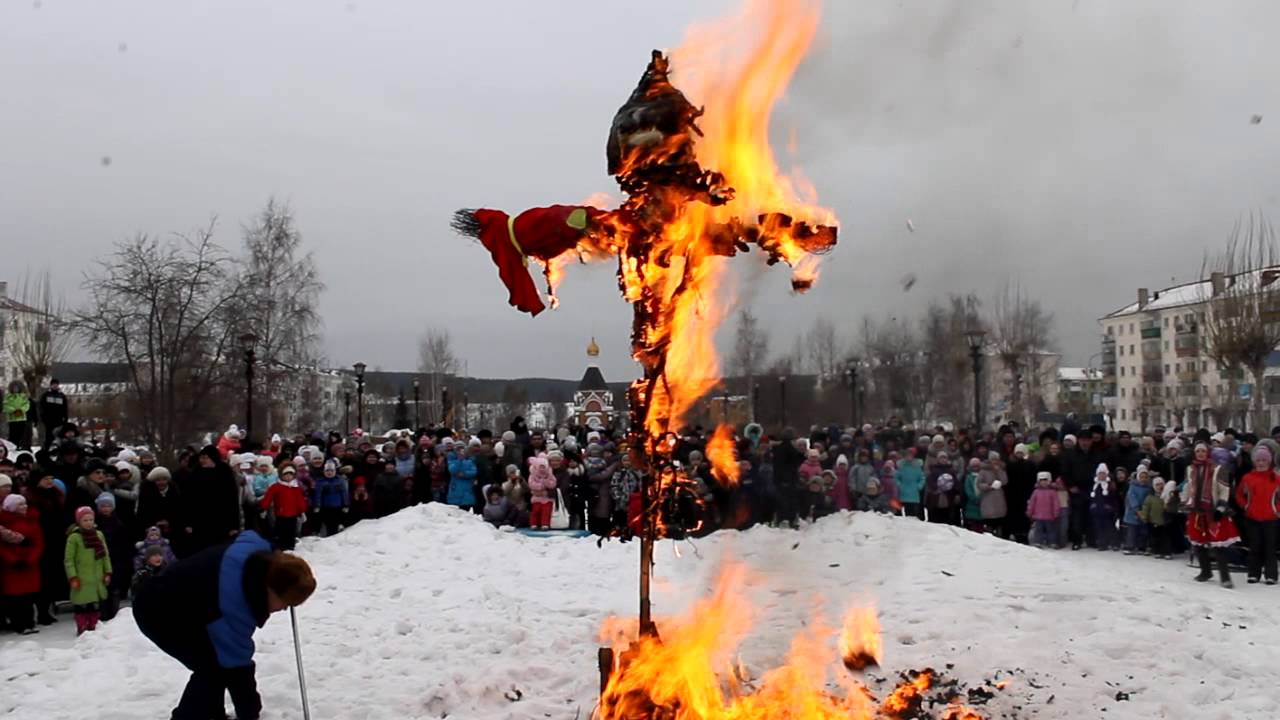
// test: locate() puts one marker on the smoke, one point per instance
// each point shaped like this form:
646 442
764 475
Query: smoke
1080 148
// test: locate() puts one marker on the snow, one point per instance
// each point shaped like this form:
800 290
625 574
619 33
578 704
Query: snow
432 613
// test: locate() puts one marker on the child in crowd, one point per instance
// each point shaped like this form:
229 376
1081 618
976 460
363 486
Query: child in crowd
841 497
910 480
1064 511
818 498
264 477
287 501
1103 505
1135 528
497 510
153 563
119 549
331 498
88 566
1043 508
872 499
1259 495
153 538
1152 514
542 485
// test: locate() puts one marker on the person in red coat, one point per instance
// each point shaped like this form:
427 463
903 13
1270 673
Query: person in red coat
288 502
1259 495
21 543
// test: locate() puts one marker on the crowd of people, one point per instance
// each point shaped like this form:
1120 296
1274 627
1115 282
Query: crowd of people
87 523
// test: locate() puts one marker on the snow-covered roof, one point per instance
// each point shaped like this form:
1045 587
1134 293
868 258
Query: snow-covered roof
1189 293
1078 374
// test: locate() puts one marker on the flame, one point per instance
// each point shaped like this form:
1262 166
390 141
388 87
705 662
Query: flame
694 673
737 69
722 453
860 646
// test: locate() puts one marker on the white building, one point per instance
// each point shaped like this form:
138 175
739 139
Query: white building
1156 370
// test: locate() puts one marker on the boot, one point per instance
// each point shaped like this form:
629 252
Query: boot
1224 570
1206 569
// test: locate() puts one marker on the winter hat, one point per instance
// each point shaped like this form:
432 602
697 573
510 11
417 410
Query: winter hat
975 463
1069 440
331 464
288 470
232 433
122 465
499 449
842 460
595 450
512 470
473 442
939 440
106 499
873 483
82 511
128 456
1221 456
1102 470
289 577
276 439
555 455
158 472
262 460
6 481
570 444
593 436
1020 449
156 550
1044 476
13 502
1158 484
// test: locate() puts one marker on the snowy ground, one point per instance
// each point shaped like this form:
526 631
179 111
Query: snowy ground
431 613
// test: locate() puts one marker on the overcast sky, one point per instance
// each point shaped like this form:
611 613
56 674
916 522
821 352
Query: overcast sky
1082 148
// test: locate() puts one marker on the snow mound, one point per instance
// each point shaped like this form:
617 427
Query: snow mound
431 613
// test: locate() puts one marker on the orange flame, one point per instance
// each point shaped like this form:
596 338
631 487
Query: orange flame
860 646
737 69
908 696
722 452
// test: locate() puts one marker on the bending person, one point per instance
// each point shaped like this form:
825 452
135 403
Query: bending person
203 613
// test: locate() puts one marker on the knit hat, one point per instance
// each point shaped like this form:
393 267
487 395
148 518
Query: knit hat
288 470
262 460
1069 440
82 511
276 439
128 456
1102 470
13 502
512 470
331 464
509 436
499 449
158 472
246 462
555 455
156 550
1020 449
6 481
290 578
123 465
106 499
1043 475
842 460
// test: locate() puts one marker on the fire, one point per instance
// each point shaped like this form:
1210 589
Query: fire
860 640
691 671
722 453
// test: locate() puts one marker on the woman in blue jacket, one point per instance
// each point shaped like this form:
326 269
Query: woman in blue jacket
203 613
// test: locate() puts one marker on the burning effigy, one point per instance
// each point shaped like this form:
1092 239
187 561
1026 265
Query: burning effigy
701 185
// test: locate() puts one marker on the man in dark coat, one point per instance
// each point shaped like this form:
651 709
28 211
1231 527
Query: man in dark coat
1078 469
204 610
1126 454
53 411
212 499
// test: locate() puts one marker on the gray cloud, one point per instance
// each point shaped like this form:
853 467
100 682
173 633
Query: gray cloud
1082 148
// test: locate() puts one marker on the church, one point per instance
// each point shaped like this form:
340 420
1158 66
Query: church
593 401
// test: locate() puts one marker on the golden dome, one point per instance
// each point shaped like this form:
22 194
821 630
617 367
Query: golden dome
593 350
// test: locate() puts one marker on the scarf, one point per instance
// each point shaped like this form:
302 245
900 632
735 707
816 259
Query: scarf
1104 485
93 541
1202 474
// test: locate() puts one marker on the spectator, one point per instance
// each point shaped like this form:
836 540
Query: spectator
87 563
1209 528
1043 509
1259 496
54 411
21 547
17 409
332 498
287 503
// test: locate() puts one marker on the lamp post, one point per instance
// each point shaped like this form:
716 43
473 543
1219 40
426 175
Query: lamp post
346 413
852 373
976 338
247 343
359 368
782 401
416 423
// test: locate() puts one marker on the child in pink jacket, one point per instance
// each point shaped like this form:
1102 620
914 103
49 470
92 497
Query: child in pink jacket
542 485
1043 509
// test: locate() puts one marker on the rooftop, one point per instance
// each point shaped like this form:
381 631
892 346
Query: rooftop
1189 293
1079 374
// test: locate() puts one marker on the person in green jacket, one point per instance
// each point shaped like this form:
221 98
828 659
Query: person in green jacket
88 566
17 405
910 480
973 497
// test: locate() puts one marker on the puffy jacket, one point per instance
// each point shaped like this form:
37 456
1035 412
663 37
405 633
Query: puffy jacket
910 480
331 493
83 564
1133 502
262 482
992 501
1152 510
16 407
1259 495
20 562
286 500
462 481
1043 504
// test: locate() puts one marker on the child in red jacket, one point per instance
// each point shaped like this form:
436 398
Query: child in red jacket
1259 495
288 502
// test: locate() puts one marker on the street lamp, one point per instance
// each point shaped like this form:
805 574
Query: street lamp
782 404
416 423
248 341
976 338
852 373
359 368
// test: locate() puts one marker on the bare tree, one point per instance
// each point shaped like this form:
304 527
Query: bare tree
1242 318
169 312
750 349
1020 331
894 364
42 338
437 360
281 292
824 349
946 355
515 402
